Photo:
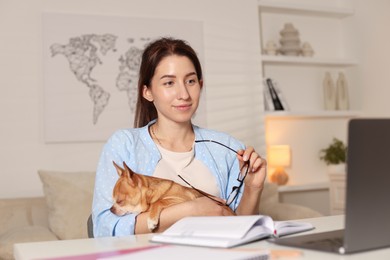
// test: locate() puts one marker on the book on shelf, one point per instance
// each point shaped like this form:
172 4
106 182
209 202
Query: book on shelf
273 96
227 231
268 103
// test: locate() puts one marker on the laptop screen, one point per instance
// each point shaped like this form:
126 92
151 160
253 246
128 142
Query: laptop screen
367 223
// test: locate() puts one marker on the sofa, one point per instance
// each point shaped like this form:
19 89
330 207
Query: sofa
63 211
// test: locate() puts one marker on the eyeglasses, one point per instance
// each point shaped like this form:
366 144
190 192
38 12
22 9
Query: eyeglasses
235 190
240 178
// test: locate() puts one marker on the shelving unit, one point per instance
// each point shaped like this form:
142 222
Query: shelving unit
324 61
307 127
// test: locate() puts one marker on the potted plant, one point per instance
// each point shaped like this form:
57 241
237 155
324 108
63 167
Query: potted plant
335 156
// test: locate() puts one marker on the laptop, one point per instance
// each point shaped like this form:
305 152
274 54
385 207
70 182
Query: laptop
367 213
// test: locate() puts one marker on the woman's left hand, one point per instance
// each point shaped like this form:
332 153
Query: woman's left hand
257 171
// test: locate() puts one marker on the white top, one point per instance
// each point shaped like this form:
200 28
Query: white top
184 164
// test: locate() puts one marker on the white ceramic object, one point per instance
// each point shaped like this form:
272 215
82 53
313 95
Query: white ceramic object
329 92
289 30
290 51
271 48
307 50
290 42
342 93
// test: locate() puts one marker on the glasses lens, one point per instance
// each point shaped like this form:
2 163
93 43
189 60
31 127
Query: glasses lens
232 196
243 172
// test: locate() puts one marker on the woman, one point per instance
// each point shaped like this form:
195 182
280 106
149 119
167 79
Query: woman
165 144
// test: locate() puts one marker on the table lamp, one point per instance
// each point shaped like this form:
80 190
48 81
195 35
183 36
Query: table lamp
279 156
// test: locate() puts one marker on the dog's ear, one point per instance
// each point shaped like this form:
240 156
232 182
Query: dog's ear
128 170
119 170
129 175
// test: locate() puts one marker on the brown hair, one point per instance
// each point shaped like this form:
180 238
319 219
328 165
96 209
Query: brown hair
151 57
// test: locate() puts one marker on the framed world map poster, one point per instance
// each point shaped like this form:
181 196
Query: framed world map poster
91 65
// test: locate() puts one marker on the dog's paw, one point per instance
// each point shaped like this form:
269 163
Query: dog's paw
152 224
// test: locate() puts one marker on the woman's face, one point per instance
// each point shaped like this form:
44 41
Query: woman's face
175 89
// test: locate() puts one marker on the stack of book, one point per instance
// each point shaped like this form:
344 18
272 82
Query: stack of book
273 97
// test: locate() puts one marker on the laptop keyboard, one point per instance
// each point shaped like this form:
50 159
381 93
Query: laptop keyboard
331 241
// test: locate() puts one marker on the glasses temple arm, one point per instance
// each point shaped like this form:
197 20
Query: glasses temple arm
200 191
212 141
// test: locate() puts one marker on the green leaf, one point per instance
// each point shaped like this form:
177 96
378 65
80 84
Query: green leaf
335 153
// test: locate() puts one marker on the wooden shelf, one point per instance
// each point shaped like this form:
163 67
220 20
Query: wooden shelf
310 114
307 61
302 9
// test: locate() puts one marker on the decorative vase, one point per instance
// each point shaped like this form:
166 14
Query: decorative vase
342 102
279 177
329 92
337 168
290 42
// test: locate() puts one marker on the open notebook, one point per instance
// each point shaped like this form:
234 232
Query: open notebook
227 231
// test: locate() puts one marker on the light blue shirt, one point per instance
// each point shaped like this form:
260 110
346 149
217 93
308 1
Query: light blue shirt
136 147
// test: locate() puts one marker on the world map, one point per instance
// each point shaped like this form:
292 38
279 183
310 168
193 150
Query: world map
84 53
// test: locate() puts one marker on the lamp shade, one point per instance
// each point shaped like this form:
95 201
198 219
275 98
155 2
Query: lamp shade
279 156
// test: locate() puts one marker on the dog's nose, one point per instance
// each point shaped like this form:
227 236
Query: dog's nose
113 210
117 210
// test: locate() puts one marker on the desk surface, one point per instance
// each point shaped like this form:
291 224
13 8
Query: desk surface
39 250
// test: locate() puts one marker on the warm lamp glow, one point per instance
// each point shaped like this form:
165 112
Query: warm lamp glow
279 156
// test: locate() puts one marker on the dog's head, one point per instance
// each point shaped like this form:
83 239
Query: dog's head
127 192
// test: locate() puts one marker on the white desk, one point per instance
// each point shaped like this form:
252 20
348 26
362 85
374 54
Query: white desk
39 250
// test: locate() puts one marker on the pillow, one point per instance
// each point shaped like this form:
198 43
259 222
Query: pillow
17 212
69 200
22 234
12 216
270 194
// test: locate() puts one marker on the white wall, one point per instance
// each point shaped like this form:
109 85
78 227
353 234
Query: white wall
232 70
373 46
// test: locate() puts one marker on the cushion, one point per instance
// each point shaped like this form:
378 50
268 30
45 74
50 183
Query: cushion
270 205
287 211
13 216
270 194
22 212
69 201
22 234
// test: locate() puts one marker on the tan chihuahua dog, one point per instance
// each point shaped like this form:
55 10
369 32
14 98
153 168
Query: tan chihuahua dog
136 193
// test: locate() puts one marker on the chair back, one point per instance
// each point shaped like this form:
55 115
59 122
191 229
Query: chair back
90 226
